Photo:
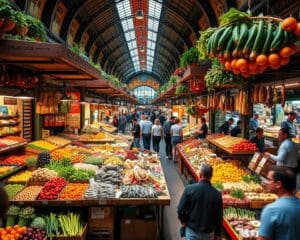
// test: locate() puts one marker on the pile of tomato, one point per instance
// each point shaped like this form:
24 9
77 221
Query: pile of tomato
244 146
11 233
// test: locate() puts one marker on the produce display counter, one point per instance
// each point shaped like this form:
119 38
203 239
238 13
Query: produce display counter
12 147
11 172
230 231
230 150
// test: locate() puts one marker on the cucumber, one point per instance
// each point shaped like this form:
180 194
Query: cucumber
278 39
236 33
217 36
242 39
269 38
224 38
259 40
228 49
250 41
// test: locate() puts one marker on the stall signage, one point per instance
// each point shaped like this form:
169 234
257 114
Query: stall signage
10 101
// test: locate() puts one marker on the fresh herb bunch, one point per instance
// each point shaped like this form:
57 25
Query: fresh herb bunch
182 88
202 42
189 57
252 178
237 193
233 15
216 76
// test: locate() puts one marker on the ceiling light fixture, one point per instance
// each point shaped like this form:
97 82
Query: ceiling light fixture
139 15
142 49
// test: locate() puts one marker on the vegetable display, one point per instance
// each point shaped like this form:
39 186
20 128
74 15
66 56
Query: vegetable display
250 45
52 188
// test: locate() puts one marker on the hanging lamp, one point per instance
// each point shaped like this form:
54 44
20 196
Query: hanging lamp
139 15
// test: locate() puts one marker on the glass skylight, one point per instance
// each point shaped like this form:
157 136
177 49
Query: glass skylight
126 17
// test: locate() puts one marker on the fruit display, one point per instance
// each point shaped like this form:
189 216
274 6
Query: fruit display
42 175
43 159
40 146
52 188
228 141
59 141
12 232
246 187
227 172
243 222
99 137
33 233
73 191
244 146
253 44
29 193
13 189
6 169
15 159
21 177
261 196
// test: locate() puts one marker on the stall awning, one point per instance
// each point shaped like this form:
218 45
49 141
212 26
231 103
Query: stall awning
53 60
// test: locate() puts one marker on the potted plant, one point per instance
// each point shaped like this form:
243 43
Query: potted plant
190 57
21 27
7 13
36 28
31 163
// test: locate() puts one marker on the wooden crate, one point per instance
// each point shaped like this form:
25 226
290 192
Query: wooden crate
101 218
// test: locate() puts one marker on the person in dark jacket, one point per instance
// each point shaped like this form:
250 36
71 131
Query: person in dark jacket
259 139
202 132
200 208
236 130
224 128
167 135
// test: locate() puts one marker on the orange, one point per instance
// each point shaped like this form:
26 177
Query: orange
233 63
297 30
261 59
285 52
289 24
227 66
284 61
241 64
274 59
275 66
236 71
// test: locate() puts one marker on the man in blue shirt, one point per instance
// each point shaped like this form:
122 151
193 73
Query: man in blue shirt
287 153
146 127
289 124
280 219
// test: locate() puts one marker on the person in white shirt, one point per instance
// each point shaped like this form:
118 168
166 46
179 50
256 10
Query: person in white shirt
176 136
146 127
157 134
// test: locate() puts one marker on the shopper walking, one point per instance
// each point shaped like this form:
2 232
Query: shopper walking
136 132
202 132
157 134
287 153
289 124
146 127
167 135
176 136
280 219
200 208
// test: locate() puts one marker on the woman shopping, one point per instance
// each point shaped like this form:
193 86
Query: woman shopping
157 134
176 136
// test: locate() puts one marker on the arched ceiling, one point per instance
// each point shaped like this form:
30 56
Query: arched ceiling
98 25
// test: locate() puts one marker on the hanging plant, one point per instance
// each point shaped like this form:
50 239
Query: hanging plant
216 76
189 57
182 88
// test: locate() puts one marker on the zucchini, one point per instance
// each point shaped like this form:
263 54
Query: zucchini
224 37
217 36
236 33
250 41
266 46
259 40
228 49
278 39
242 39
